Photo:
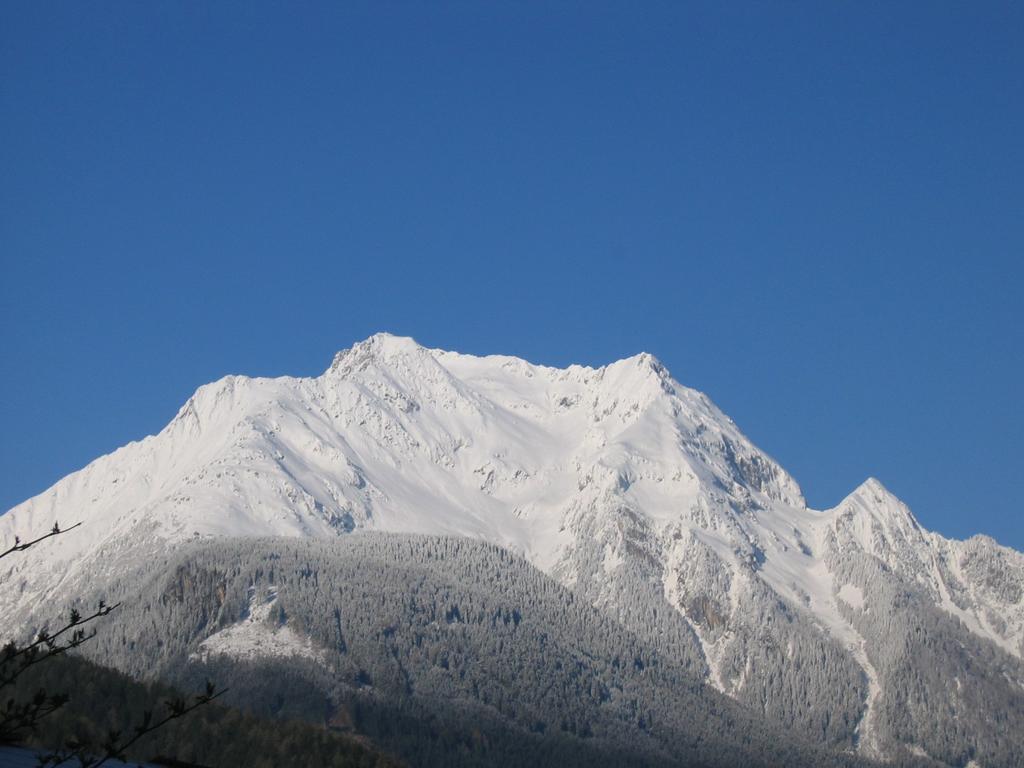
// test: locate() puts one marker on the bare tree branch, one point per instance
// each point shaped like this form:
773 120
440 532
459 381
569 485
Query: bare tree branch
20 546
46 645
20 718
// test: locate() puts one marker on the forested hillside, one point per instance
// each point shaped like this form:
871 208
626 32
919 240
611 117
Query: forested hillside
102 700
446 650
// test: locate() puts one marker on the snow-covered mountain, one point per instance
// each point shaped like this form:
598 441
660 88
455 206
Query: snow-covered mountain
627 487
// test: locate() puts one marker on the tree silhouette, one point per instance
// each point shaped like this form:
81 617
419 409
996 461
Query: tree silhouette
20 714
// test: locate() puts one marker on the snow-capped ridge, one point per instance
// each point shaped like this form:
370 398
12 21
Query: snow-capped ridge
611 479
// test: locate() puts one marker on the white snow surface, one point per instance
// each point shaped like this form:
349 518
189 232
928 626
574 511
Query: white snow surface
397 437
545 461
852 595
259 636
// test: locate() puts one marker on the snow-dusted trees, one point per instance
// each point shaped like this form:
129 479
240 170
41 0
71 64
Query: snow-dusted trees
943 690
449 651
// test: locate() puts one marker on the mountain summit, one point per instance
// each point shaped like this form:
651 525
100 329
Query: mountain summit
632 490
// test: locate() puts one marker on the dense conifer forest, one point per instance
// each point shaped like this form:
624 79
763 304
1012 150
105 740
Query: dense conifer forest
445 651
103 700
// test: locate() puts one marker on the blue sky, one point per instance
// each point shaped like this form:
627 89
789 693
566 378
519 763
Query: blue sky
814 212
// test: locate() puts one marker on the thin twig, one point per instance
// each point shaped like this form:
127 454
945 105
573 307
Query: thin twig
20 547
30 653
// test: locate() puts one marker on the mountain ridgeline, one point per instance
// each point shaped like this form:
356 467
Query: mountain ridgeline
476 560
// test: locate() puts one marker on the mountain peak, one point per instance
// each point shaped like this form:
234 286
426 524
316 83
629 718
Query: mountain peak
379 346
873 510
647 362
386 345
872 488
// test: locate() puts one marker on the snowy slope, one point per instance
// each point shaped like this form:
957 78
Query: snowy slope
397 437
612 479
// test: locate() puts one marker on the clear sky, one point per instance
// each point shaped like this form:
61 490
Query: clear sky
814 212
